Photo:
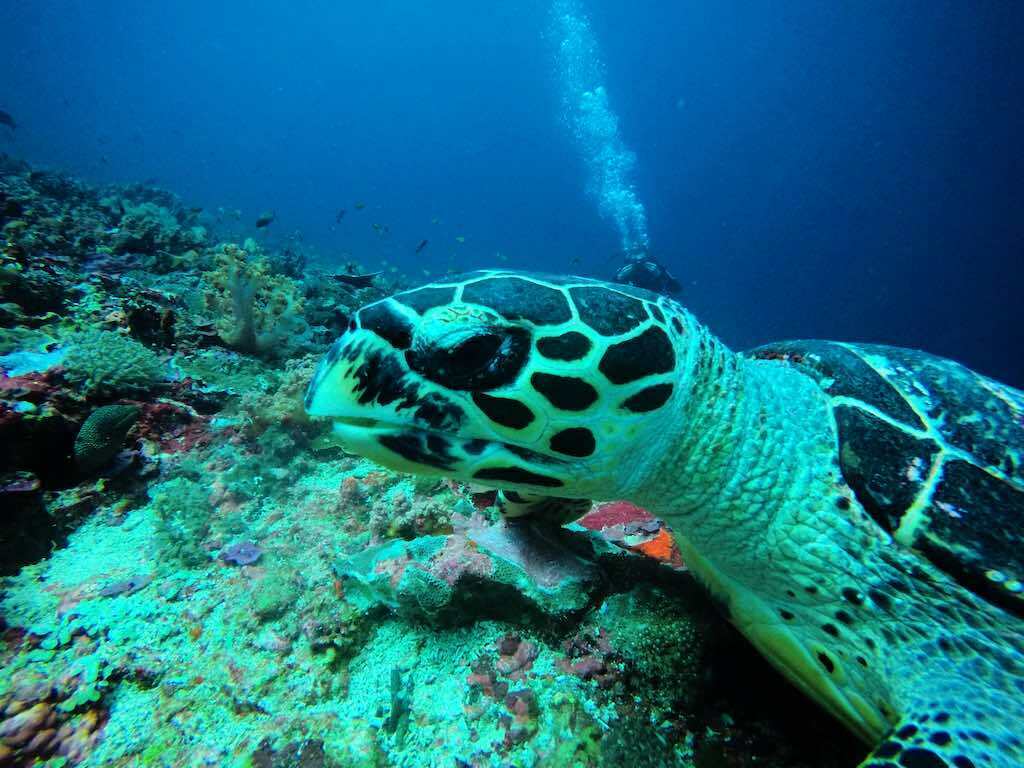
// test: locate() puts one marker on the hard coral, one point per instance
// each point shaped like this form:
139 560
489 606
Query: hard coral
516 656
399 516
105 363
34 726
255 311
149 227
298 754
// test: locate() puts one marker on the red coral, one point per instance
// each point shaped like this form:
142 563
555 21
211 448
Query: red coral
41 387
614 513
523 724
484 678
662 548
516 656
591 657
174 427
634 529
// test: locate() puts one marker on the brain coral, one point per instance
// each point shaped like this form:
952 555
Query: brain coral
105 363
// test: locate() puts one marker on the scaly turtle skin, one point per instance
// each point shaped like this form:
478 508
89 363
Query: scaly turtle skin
855 508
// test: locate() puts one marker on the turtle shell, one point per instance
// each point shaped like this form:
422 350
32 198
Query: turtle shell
933 451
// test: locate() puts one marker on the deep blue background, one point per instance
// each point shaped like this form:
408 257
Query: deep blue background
810 169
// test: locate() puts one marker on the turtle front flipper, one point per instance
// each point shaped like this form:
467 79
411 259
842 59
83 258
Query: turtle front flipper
957 723
917 744
547 510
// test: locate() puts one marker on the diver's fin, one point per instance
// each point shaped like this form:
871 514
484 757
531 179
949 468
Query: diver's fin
549 510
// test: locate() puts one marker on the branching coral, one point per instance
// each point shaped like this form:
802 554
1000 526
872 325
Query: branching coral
255 311
105 363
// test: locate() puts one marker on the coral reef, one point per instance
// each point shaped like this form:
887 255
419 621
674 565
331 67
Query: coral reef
196 574
148 227
254 310
107 364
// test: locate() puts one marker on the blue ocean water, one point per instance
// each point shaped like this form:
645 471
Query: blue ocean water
247 523
813 170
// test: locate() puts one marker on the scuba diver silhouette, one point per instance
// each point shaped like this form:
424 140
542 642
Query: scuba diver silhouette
644 271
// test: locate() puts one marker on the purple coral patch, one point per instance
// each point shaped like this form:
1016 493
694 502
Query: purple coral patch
242 553
19 482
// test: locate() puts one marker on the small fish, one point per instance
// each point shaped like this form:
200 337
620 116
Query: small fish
340 215
360 205
356 281
265 219
422 245
435 220
6 119
460 239
195 210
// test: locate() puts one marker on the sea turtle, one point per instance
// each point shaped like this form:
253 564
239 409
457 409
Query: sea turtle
855 508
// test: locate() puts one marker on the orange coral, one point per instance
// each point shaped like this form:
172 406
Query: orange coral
662 548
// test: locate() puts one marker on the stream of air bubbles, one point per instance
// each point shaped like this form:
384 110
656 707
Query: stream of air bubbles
595 127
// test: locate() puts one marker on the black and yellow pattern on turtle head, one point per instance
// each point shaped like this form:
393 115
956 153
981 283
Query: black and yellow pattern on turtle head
515 380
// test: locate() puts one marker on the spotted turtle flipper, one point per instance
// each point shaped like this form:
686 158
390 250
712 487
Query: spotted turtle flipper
938 738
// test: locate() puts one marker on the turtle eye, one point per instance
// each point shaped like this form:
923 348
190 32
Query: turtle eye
485 360
474 353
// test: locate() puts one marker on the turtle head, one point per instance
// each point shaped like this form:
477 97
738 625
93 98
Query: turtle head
517 381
